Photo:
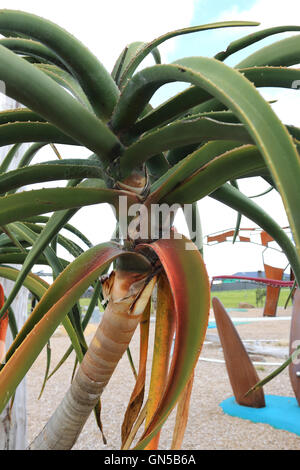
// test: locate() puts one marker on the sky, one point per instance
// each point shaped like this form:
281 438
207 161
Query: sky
106 26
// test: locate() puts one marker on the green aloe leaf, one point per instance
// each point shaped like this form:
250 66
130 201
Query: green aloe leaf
232 164
44 220
6 229
275 372
177 134
188 166
195 100
282 53
252 38
271 76
72 247
19 258
51 310
31 48
32 87
12 323
137 59
19 115
38 287
50 171
54 262
174 156
32 282
30 153
127 55
239 216
157 166
33 131
48 362
55 223
27 234
263 193
20 206
9 157
66 80
144 84
94 79
172 108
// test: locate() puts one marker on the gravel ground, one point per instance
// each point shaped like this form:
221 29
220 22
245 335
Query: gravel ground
208 426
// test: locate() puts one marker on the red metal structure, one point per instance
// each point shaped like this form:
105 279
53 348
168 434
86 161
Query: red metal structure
241 372
263 280
273 274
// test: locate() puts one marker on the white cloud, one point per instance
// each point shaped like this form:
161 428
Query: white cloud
266 12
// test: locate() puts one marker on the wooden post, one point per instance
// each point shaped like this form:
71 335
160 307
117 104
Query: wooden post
13 422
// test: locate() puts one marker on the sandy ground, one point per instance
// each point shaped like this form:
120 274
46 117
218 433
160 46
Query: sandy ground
208 426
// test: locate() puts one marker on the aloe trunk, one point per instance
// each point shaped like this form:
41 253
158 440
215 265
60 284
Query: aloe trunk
129 296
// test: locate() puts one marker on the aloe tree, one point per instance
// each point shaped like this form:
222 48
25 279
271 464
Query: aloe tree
219 129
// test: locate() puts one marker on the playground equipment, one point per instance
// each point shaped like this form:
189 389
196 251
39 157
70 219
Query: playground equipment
242 374
273 289
272 274
279 412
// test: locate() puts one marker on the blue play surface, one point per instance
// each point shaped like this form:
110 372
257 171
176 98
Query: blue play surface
236 309
279 412
212 324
